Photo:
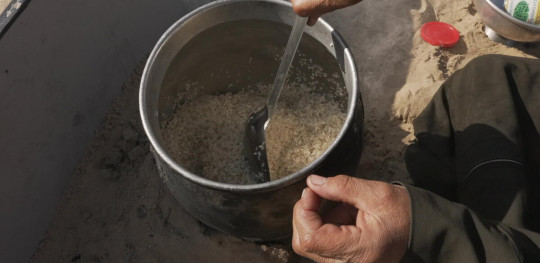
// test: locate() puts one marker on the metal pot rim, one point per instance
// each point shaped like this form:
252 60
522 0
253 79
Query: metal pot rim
237 188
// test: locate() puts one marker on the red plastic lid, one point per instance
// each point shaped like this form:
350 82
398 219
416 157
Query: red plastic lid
440 34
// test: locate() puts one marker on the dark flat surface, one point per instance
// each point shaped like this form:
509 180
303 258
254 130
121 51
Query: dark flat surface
61 64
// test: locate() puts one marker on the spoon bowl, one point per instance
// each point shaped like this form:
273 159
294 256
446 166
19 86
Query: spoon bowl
255 145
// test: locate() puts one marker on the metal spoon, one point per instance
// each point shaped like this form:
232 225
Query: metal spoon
254 132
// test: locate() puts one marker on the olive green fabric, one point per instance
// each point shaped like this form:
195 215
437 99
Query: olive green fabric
478 154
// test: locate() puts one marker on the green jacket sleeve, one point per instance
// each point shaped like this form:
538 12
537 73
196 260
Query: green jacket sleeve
443 231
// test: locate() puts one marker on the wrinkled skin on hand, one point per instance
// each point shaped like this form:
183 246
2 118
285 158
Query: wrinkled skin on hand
315 8
371 224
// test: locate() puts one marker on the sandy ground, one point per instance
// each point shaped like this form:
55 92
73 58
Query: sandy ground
3 4
116 209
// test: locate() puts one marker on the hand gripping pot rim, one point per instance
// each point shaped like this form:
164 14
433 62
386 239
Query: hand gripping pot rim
524 10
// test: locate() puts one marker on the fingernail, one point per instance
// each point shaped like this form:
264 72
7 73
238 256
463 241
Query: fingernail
303 192
317 180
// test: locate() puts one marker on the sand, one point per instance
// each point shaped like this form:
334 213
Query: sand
389 115
116 209
4 4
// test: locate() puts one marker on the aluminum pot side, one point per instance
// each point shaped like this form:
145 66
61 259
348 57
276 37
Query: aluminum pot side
261 211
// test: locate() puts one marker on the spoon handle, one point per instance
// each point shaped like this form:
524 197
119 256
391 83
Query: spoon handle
286 61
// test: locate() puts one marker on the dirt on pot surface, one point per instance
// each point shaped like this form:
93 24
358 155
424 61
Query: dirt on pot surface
116 208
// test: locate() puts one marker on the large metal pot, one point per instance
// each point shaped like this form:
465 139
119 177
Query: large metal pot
502 27
224 35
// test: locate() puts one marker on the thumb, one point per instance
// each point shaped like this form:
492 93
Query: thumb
314 239
350 190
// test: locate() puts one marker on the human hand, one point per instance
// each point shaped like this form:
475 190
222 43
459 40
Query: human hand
316 8
371 224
